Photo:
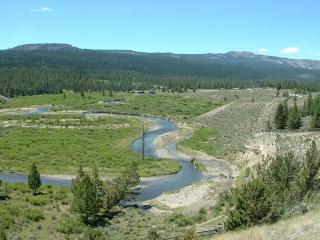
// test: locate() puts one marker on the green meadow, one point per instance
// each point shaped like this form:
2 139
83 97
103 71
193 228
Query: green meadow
66 142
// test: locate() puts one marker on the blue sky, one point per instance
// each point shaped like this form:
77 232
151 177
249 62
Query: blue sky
273 27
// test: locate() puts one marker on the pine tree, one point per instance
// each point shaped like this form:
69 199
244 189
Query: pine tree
315 123
110 93
294 118
279 117
309 104
34 180
307 177
285 114
86 200
129 179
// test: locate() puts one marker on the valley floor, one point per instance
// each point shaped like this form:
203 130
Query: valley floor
223 132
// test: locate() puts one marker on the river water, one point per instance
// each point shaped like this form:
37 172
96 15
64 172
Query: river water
148 189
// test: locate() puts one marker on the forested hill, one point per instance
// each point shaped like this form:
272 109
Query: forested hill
50 68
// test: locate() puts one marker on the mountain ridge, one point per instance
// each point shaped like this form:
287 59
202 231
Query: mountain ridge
231 57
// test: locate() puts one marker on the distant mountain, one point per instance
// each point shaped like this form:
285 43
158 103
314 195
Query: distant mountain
233 57
47 68
45 46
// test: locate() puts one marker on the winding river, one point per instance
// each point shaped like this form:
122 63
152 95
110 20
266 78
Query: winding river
148 188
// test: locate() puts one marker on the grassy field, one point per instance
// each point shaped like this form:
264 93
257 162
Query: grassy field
171 105
48 216
66 141
226 131
203 140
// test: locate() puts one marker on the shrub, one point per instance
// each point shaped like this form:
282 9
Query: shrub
278 185
3 235
189 234
70 226
180 219
94 234
6 218
33 214
201 216
39 200
153 234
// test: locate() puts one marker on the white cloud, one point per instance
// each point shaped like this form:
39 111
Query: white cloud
290 50
43 9
263 50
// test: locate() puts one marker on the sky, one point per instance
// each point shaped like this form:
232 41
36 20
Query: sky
272 27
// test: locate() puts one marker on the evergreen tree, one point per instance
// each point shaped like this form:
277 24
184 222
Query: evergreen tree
92 197
306 179
285 114
252 205
34 180
315 123
309 104
264 198
82 93
294 118
110 93
278 119
86 200
129 179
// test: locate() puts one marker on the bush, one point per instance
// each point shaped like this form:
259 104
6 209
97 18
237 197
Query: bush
71 226
201 216
39 200
6 218
3 235
153 234
180 219
3 191
94 234
278 185
189 234
33 214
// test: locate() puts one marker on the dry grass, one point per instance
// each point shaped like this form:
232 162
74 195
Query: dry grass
306 227
238 121
241 127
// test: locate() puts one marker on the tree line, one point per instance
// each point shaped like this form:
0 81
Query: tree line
288 117
39 72
311 107
291 117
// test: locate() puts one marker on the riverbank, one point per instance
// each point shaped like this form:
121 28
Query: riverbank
161 139
69 139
